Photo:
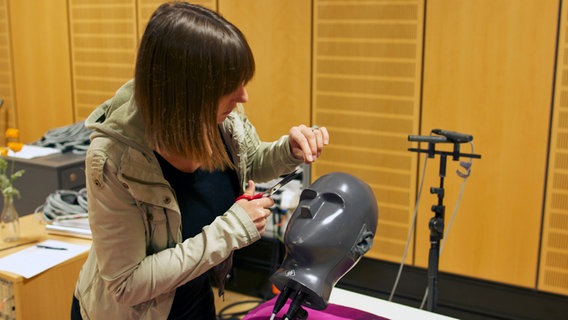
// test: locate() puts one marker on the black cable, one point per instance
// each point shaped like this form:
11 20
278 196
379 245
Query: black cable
281 300
295 306
74 138
223 315
63 205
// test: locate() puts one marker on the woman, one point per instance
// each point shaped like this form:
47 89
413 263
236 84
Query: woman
169 154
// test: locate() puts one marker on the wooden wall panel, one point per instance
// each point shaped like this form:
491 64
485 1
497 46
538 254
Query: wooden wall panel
41 69
367 59
103 49
8 107
104 40
553 271
279 34
488 71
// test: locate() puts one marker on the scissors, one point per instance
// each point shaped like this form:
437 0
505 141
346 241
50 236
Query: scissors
268 193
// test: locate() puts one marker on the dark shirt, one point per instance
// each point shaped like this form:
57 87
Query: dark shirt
202 196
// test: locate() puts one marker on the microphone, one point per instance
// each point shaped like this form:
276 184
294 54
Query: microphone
442 136
429 139
455 137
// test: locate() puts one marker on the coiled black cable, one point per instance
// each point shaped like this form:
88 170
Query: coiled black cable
72 138
64 204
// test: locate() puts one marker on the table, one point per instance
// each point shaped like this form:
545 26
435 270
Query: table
383 308
47 295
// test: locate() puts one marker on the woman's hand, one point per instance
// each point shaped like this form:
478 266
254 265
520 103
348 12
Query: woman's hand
257 209
307 143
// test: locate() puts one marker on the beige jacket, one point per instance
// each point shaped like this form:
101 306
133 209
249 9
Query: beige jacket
137 259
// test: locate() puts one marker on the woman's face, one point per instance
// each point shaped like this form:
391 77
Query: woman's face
228 103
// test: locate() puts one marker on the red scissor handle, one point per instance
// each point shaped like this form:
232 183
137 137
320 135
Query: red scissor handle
249 197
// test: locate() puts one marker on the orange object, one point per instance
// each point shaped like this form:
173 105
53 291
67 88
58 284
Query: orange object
275 290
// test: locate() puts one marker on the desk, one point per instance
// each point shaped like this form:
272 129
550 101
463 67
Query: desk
383 308
47 295
45 175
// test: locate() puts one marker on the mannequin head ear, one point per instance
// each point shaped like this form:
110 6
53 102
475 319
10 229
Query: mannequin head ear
364 242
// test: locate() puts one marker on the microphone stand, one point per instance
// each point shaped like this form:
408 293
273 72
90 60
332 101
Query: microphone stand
436 223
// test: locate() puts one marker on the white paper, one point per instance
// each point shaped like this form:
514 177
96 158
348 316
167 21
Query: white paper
76 221
69 231
30 152
34 260
75 227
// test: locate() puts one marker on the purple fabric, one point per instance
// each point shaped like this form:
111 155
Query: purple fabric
332 312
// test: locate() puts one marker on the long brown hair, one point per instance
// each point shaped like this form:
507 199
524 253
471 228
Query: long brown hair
189 57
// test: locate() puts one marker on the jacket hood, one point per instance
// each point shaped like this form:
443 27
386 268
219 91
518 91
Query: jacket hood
119 118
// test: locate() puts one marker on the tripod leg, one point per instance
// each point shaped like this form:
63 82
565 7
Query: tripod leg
433 259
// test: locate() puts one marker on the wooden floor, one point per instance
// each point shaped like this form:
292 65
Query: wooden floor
234 302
